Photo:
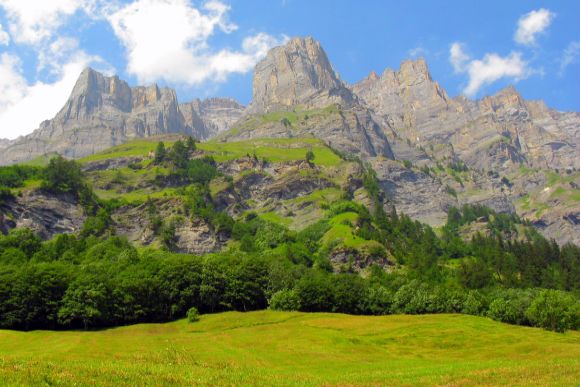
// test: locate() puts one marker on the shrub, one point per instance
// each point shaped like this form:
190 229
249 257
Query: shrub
554 310
192 314
474 304
378 300
510 306
286 300
63 176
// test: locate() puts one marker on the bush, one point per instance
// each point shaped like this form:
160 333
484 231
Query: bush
474 304
554 310
285 300
192 315
63 176
510 306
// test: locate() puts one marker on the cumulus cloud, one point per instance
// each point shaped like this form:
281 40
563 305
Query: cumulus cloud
491 68
24 105
32 21
168 39
531 25
458 57
570 56
4 37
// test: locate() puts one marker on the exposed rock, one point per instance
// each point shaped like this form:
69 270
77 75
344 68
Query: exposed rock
298 76
493 133
104 111
192 235
414 193
47 215
297 73
351 259
211 116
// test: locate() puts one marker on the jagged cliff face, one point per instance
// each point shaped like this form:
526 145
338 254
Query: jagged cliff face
211 116
497 132
104 111
298 73
398 116
299 79
500 135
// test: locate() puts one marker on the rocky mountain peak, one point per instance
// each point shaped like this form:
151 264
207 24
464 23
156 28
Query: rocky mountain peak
298 73
414 72
373 76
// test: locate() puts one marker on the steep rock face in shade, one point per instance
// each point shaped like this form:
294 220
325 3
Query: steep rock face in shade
104 111
211 116
298 73
296 93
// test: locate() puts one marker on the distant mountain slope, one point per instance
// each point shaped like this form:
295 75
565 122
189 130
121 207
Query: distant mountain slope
497 131
104 111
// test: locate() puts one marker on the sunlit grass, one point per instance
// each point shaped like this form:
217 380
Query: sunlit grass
276 348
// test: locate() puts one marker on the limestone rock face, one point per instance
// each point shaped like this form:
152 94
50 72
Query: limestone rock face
499 135
211 116
297 73
104 111
47 215
298 78
496 132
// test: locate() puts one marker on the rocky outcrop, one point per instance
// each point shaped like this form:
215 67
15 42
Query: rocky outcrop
211 116
298 78
298 73
414 193
495 136
45 214
497 132
104 111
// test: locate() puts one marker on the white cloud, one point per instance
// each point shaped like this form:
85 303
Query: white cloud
4 37
168 39
32 21
24 106
458 57
488 70
531 25
571 55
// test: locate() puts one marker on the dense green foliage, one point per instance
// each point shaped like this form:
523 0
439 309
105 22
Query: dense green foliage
97 279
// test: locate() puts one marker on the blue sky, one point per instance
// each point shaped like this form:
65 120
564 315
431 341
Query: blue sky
209 48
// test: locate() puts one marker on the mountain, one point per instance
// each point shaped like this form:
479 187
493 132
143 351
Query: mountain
430 152
498 131
520 155
104 111
298 73
296 93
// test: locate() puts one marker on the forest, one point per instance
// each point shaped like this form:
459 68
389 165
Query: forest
98 279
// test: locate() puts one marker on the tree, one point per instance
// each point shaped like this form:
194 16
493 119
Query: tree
554 310
160 153
192 314
63 176
285 300
191 147
310 156
84 303
179 154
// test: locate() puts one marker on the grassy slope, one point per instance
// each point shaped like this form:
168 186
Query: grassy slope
294 348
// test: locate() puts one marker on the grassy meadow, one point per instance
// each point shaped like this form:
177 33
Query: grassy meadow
291 348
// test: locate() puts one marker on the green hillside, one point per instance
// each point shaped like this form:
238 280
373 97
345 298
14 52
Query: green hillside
281 348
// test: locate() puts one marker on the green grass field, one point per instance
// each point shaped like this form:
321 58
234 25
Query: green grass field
278 348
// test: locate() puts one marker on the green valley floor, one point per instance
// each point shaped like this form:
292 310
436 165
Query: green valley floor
279 348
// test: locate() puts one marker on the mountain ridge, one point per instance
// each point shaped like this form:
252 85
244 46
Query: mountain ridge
430 151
